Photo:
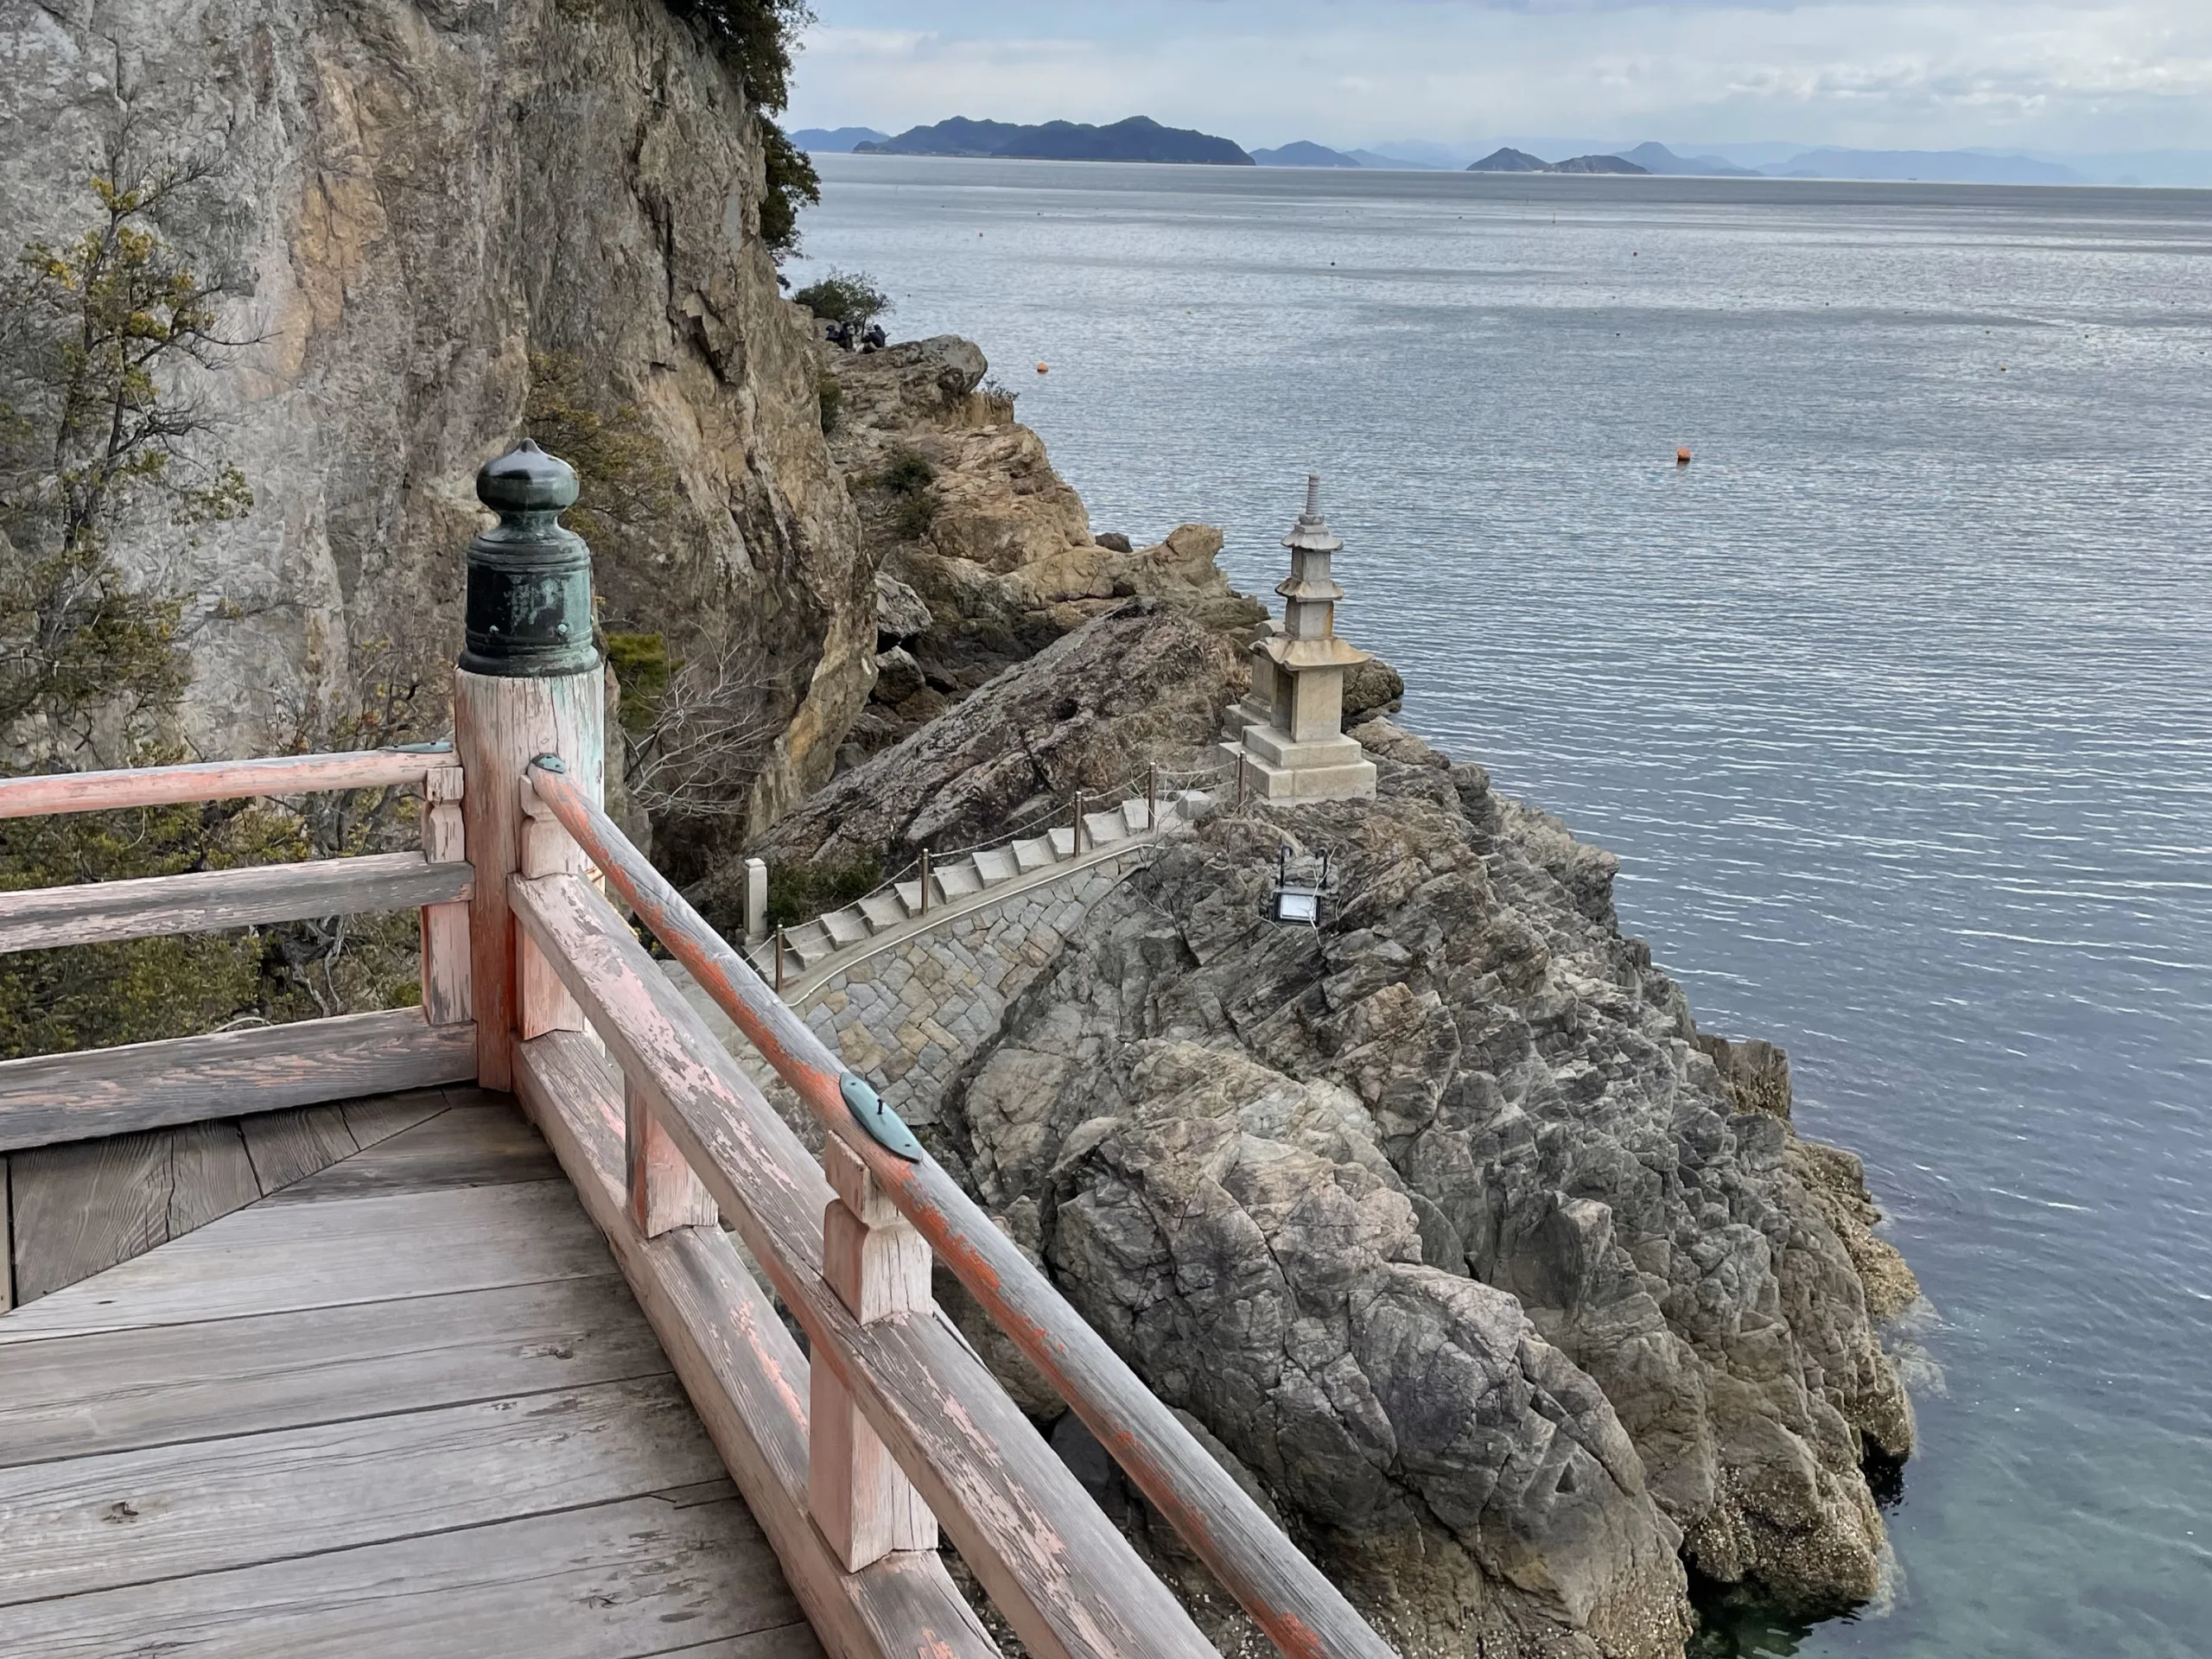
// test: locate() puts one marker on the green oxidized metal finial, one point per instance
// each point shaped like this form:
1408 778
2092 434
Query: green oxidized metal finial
528 614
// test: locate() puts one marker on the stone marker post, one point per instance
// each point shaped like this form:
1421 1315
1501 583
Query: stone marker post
529 682
756 900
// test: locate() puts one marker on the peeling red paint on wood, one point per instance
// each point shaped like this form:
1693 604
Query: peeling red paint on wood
663 1194
214 780
40 919
499 726
57 1097
1067 1580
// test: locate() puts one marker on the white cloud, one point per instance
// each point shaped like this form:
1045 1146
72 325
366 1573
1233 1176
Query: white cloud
2059 74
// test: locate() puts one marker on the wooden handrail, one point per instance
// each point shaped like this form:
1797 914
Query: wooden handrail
215 780
202 901
1303 1613
744 1372
1065 1578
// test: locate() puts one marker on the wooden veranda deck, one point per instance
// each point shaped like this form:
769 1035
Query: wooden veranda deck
391 1379
406 1406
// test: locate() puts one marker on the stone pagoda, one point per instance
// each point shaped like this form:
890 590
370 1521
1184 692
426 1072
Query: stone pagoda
1287 734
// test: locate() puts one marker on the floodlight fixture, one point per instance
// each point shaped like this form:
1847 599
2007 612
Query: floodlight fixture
1300 904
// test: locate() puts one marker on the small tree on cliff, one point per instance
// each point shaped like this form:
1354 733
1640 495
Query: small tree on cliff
846 296
94 334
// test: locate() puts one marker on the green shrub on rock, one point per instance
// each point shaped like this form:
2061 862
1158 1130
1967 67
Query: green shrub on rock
642 670
844 296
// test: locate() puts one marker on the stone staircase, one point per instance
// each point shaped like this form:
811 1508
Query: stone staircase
896 907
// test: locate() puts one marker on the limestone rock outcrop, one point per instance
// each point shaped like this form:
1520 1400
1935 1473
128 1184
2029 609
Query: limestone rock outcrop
414 202
961 508
1444 1216
1143 683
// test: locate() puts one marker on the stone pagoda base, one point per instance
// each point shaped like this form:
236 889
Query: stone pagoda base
1277 769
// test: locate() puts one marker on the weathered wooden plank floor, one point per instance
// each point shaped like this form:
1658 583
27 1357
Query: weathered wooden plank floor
85 1205
406 1406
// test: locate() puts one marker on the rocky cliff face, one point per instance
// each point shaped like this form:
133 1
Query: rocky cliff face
413 199
986 555
1332 1188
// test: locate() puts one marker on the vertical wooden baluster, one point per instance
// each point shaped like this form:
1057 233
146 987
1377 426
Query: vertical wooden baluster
879 1266
663 1191
542 1003
446 972
7 1244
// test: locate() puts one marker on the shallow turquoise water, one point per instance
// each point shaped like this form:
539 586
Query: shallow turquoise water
1897 703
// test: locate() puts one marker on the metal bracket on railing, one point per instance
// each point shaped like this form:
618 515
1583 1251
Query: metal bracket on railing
883 1125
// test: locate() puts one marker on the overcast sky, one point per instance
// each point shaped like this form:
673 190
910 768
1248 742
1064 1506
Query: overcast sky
2071 75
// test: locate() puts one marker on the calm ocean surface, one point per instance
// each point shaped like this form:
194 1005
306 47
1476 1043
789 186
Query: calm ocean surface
1897 704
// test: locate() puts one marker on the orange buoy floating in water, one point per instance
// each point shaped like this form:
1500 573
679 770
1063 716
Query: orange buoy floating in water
1044 368
1683 456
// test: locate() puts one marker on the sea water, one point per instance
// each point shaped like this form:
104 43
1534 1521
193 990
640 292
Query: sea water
1896 701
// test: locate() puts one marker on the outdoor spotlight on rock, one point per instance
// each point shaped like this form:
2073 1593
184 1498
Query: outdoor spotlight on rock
1292 901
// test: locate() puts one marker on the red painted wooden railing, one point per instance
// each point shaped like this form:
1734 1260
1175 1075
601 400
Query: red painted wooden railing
1300 1609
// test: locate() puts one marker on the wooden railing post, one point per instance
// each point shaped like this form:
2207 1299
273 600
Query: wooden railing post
446 971
879 1266
529 682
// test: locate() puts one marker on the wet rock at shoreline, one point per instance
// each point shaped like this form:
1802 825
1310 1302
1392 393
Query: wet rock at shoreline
1469 1074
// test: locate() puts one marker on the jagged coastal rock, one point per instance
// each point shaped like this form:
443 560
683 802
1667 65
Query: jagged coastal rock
985 555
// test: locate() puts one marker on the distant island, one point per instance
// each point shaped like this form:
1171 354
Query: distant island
1657 158
1948 166
832 140
1305 154
1140 138
1520 161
